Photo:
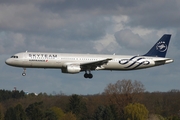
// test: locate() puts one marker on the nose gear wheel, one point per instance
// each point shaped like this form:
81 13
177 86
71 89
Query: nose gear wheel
24 72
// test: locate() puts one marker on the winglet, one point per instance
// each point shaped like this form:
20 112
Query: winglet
161 47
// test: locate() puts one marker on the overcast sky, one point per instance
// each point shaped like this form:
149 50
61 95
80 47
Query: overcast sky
88 26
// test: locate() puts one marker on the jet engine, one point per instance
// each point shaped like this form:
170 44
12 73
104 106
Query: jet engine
72 69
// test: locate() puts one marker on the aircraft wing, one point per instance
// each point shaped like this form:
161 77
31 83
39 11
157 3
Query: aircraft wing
93 65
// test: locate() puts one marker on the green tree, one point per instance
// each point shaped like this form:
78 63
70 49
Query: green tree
19 112
105 113
1 112
136 111
5 94
69 116
9 115
50 115
16 94
16 113
58 112
35 111
77 106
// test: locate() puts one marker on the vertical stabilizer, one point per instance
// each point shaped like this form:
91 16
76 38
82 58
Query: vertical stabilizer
161 47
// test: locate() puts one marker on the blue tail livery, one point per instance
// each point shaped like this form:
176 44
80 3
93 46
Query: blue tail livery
161 47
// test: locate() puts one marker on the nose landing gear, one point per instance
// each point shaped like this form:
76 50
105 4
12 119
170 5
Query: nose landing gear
24 72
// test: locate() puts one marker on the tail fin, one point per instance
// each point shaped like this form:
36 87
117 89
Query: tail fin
161 47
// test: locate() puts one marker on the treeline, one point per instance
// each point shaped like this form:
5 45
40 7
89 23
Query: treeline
5 95
124 100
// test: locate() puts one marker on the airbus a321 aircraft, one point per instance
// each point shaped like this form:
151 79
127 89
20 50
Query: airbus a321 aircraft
75 63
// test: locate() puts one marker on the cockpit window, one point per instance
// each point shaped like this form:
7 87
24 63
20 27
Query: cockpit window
14 56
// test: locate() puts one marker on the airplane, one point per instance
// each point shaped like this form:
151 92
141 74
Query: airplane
75 63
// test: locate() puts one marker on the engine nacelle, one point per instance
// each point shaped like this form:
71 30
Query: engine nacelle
72 69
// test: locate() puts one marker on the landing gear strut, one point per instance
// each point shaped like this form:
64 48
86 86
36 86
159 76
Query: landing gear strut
24 72
88 75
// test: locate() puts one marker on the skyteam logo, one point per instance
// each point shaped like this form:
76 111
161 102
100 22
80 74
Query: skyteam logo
161 46
134 62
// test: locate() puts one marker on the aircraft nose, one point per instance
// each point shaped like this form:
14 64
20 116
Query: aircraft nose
8 61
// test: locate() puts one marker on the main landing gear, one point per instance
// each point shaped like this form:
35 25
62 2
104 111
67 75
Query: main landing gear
24 72
88 75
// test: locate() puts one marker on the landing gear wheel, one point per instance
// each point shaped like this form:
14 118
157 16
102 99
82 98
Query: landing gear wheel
86 75
90 76
23 74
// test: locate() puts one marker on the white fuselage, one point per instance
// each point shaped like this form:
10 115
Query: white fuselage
62 60
75 63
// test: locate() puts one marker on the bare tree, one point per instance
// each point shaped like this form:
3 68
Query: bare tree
124 92
125 87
